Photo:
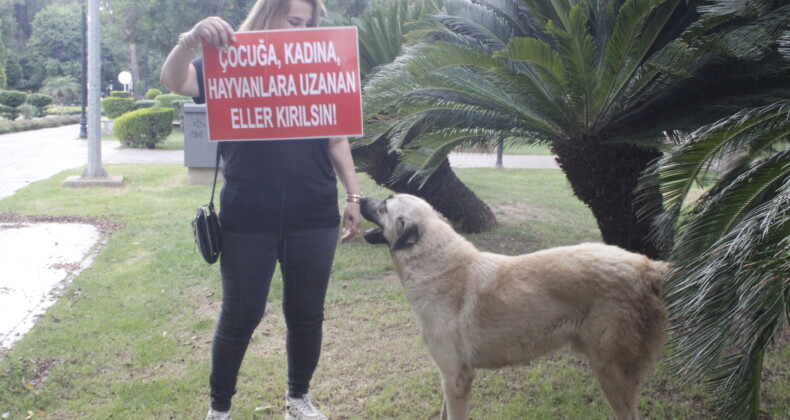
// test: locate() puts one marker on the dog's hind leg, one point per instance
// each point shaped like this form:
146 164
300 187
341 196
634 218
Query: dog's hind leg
457 386
620 388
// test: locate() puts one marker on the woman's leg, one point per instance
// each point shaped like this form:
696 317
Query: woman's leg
306 261
247 263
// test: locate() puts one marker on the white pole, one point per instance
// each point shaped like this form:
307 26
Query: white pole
94 169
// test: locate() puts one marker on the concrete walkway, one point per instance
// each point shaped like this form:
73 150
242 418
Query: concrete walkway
35 155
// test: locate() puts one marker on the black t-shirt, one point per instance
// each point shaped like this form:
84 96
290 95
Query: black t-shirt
275 184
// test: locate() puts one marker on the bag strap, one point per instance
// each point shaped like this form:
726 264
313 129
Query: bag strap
214 187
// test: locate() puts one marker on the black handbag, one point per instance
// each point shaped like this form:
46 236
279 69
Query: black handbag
205 225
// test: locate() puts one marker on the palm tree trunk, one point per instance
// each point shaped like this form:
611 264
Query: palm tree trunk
605 179
443 190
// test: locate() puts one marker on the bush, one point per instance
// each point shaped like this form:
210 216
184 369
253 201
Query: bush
8 112
28 111
144 128
145 104
39 100
152 93
12 98
66 110
114 107
120 94
25 125
167 99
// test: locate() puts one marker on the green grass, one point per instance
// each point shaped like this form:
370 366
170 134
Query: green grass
130 337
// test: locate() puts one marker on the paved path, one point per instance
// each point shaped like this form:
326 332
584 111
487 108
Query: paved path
31 156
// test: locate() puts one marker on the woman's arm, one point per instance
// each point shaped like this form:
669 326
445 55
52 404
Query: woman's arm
340 154
178 74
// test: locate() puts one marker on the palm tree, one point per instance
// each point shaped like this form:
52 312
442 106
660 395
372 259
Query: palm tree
62 88
729 291
597 80
382 33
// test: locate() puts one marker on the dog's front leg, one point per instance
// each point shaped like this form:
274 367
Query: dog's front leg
457 385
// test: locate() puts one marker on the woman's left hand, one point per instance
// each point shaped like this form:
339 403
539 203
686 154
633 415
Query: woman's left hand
351 220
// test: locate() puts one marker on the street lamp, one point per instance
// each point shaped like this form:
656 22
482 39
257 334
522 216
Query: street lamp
83 118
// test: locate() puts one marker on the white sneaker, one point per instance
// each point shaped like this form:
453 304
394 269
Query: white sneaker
218 415
301 409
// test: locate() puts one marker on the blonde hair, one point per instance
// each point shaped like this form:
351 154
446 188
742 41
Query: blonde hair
264 11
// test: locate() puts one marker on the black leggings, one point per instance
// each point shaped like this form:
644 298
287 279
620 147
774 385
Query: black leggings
247 264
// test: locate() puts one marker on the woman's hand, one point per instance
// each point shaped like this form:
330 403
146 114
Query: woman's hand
214 30
351 219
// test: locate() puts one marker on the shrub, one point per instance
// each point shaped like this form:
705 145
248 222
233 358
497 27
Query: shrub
12 98
114 107
39 100
152 93
145 104
120 94
28 111
167 99
144 128
8 112
25 125
65 110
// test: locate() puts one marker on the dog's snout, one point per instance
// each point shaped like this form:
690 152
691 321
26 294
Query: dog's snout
367 206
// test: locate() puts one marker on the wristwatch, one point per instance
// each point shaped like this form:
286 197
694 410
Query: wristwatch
182 41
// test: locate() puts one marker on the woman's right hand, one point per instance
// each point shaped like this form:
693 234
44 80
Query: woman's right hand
214 30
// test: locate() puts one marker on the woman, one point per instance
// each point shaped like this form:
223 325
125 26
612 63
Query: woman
278 203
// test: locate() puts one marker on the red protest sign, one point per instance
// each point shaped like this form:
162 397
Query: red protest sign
284 84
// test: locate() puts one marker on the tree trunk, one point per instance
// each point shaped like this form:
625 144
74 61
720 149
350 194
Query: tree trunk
605 178
443 190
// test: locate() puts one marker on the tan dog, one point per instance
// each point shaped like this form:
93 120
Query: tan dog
483 310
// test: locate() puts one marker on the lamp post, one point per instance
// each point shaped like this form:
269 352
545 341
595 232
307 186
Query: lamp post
83 118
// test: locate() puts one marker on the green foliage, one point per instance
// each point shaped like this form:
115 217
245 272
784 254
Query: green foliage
28 111
12 98
39 100
167 99
8 112
728 295
114 107
145 104
120 94
36 124
144 128
152 93
62 88
3 77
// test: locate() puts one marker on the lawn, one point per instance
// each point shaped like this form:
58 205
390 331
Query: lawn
130 337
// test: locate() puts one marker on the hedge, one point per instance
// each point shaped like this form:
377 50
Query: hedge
144 128
152 93
38 123
12 98
120 94
145 104
168 99
114 107
39 100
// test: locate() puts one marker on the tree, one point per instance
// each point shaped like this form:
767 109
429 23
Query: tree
62 89
599 81
382 30
729 291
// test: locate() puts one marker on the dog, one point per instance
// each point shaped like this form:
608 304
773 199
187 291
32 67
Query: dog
483 310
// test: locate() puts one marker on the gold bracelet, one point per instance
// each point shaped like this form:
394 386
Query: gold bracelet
354 198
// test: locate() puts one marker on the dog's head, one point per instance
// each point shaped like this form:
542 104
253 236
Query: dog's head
399 219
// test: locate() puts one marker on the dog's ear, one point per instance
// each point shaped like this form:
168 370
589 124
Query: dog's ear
408 234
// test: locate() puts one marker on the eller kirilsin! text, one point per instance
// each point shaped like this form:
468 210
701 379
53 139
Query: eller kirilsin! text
266 56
